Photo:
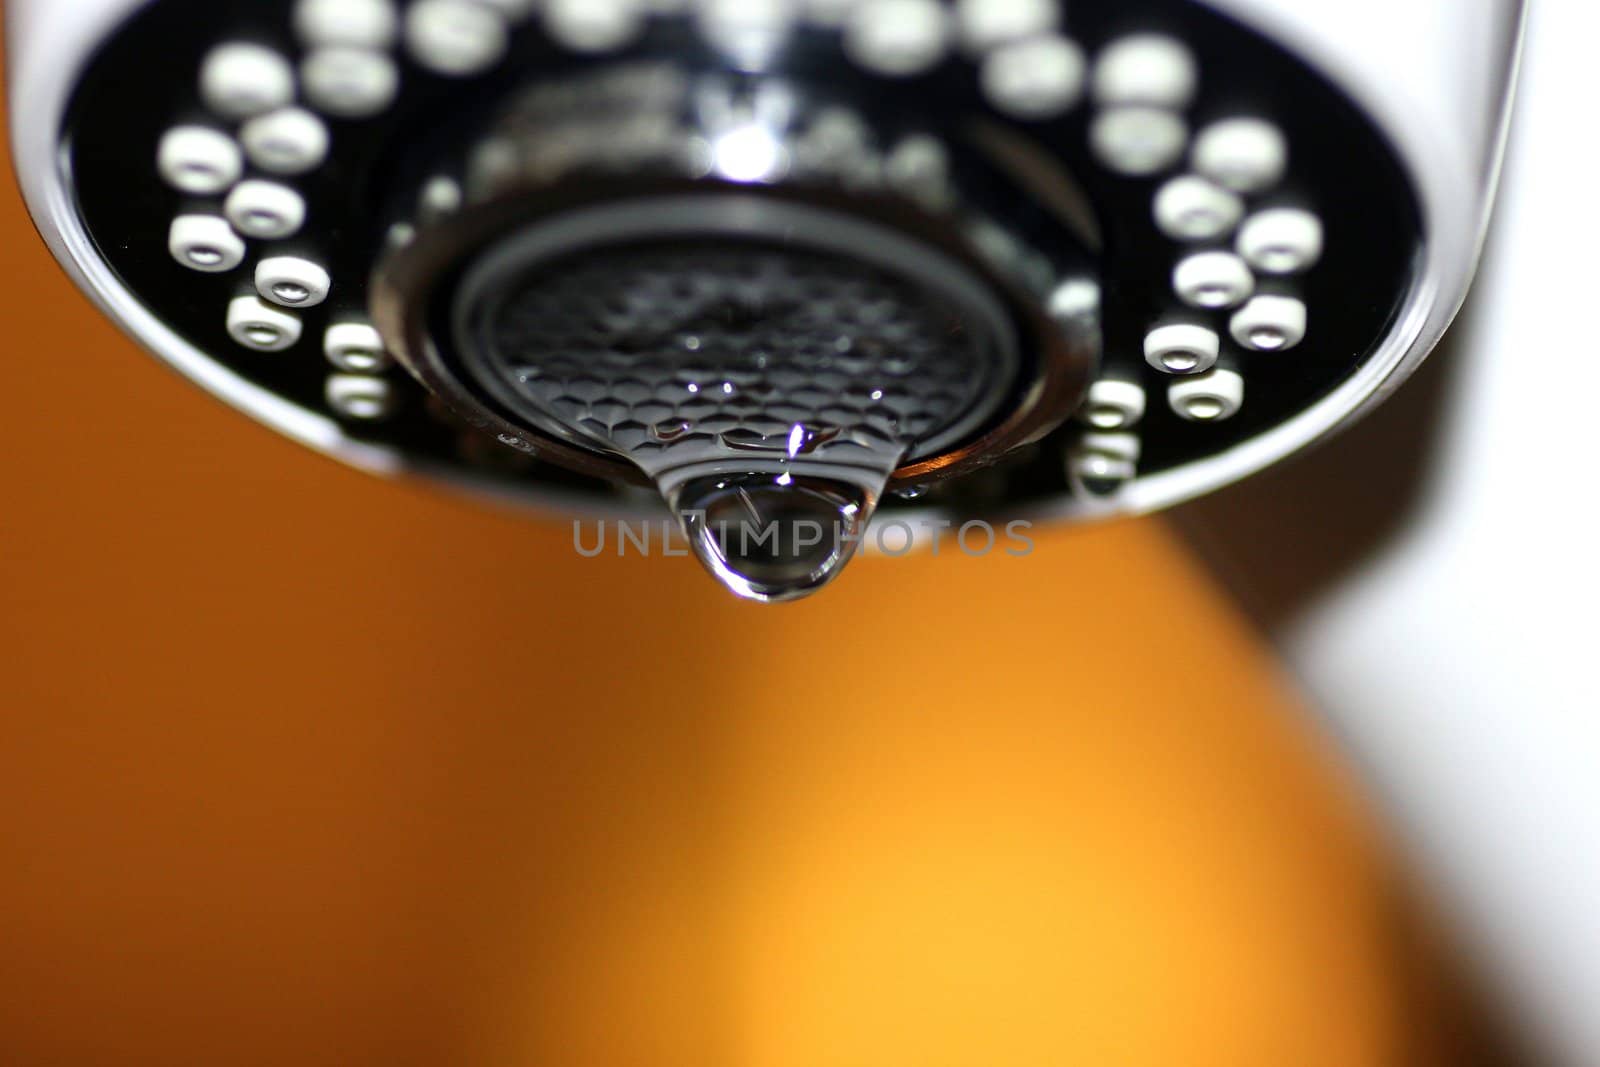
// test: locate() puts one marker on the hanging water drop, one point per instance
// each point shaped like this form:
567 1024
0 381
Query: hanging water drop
773 537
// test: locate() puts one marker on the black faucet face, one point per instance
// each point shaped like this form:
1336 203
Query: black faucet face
1063 260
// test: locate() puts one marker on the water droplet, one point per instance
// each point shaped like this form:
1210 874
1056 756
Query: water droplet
797 441
747 440
1267 338
1180 361
1107 417
804 440
670 430
1097 474
363 360
774 537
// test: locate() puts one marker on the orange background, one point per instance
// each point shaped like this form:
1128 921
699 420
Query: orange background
300 767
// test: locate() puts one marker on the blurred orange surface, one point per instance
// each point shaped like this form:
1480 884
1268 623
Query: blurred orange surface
301 767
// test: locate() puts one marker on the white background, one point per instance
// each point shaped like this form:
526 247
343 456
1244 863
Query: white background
1461 664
